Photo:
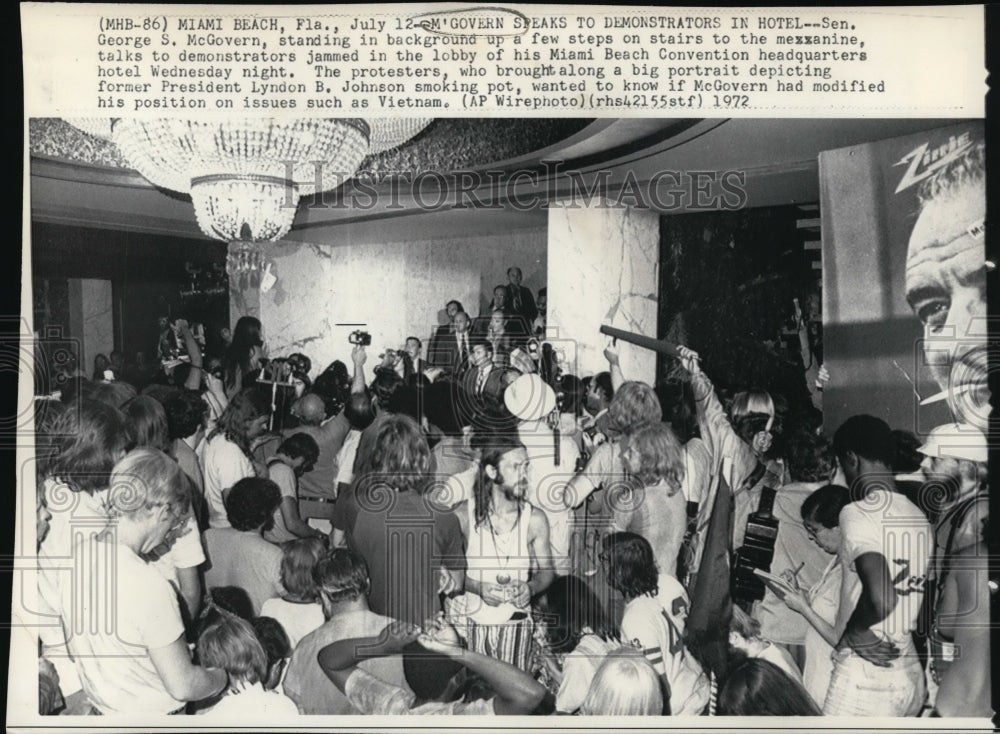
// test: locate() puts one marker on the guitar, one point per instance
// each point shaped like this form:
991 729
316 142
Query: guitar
757 550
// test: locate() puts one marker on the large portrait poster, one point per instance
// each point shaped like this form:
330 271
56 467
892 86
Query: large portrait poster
904 276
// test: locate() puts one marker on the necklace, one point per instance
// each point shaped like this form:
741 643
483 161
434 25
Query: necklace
503 577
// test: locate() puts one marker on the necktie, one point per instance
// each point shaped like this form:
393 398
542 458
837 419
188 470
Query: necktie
517 300
480 381
464 348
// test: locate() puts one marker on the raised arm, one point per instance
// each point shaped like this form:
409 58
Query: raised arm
358 356
338 660
716 430
614 366
517 693
194 377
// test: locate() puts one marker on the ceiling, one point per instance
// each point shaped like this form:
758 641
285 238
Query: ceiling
777 156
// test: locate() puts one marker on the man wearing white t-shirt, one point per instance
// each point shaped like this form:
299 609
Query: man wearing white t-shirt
129 644
887 540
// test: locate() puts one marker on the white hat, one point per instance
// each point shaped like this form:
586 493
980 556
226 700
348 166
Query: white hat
956 441
529 398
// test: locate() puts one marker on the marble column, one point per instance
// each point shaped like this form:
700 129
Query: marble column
91 319
602 270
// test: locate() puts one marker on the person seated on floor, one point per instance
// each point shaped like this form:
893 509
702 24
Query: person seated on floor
277 648
437 666
299 610
757 687
342 578
744 635
626 684
232 645
238 555
579 636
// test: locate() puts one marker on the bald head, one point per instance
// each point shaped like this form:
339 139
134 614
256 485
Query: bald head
310 409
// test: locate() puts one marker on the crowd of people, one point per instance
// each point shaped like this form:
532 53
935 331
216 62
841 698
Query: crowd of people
472 532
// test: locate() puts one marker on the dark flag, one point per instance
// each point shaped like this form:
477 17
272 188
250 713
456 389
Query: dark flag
711 600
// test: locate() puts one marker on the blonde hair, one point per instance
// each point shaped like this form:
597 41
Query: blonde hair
660 456
744 625
626 684
751 401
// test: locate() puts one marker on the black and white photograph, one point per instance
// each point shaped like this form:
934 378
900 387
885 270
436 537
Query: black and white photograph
579 414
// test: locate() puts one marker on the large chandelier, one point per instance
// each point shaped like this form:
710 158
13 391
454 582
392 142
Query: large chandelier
246 176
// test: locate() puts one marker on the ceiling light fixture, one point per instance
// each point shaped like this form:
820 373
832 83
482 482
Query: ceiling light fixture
246 176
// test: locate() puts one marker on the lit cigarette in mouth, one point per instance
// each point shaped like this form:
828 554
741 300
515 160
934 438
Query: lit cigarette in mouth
943 395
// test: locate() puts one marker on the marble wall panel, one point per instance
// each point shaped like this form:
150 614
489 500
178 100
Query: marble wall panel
391 289
603 270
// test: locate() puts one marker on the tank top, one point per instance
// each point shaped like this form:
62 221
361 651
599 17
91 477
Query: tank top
489 555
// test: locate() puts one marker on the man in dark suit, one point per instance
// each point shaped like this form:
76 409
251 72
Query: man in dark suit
520 302
442 332
451 349
484 382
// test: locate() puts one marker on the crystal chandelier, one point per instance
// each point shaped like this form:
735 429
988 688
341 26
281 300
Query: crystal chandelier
244 264
246 176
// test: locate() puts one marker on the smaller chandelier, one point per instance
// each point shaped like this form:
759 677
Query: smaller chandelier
246 176
244 264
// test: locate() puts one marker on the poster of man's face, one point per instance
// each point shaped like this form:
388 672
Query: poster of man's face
946 279
904 263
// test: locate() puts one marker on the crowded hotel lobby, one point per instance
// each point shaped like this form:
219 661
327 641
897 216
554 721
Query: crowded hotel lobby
521 417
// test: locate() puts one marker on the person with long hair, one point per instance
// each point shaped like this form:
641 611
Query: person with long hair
656 608
413 549
589 491
655 508
757 687
243 355
579 636
634 405
228 450
508 553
